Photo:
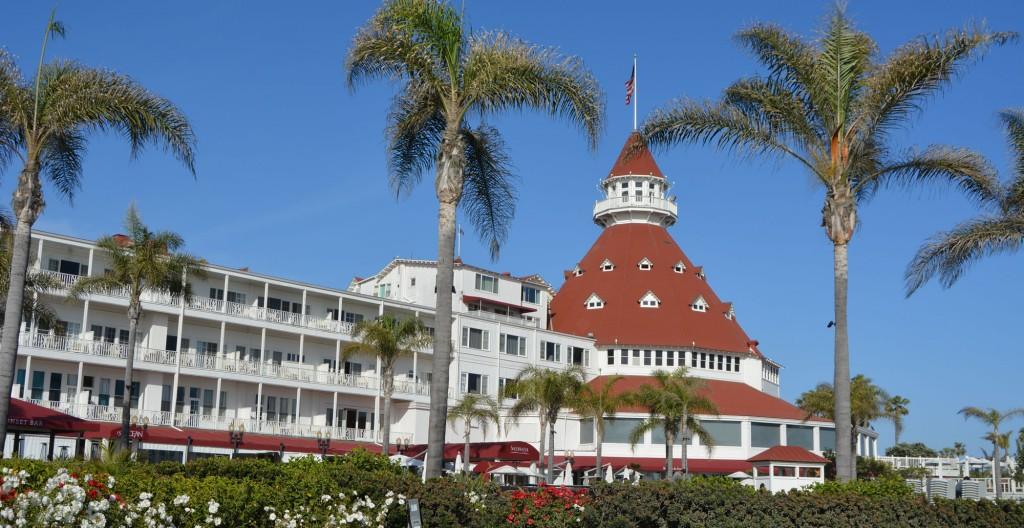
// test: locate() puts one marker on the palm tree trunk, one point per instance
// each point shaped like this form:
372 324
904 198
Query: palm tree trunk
845 461
551 452
685 463
388 382
896 428
465 448
27 203
996 469
597 451
670 439
134 311
543 441
449 191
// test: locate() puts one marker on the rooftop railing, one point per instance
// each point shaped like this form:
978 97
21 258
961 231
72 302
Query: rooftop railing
629 202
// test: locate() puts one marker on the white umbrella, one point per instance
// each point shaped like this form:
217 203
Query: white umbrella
608 475
739 475
567 475
626 472
458 463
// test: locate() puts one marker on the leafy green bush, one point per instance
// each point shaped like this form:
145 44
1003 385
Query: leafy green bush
883 487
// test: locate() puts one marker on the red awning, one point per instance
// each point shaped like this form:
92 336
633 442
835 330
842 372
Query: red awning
25 416
696 465
209 438
512 451
473 299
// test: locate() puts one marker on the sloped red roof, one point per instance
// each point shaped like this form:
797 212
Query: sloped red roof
635 158
731 397
622 321
781 453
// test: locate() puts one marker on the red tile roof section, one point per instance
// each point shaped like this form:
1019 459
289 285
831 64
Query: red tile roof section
731 397
638 161
787 454
622 320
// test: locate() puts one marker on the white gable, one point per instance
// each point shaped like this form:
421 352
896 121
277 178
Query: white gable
699 304
649 300
645 264
594 302
679 267
607 265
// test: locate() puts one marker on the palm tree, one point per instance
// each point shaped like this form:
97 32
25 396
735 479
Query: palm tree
479 408
36 284
868 403
896 409
46 123
545 392
830 105
959 449
674 402
450 73
598 403
994 420
388 339
949 254
146 262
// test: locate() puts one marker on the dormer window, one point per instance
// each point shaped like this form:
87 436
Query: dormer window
607 265
645 264
679 267
700 272
649 300
699 304
577 271
730 314
594 302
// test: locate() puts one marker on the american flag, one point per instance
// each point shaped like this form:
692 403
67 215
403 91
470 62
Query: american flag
629 85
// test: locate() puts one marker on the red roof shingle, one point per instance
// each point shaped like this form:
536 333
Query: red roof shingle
787 454
635 158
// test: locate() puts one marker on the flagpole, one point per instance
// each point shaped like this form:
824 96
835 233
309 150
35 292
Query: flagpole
635 92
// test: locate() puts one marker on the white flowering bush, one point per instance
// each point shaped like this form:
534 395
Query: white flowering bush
66 500
343 509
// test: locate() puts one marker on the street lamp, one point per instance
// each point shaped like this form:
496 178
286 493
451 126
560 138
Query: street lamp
402 445
235 432
323 441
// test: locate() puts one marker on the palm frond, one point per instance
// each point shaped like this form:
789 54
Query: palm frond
489 194
948 255
966 169
62 161
505 73
774 104
790 61
845 56
1013 121
10 136
415 125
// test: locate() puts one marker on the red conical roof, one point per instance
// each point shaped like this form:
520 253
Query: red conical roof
674 323
635 158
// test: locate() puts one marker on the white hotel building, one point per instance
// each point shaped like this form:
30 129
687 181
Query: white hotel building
265 352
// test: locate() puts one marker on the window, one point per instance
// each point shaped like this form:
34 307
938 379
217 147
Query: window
624 357
383 290
658 355
636 357
810 472
784 471
594 302
618 430
607 265
208 402
292 357
800 435
577 271
725 434
165 398
486 283
506 388
55 383
579 356
21 382
217 294
827 439
350 317
587 431
474 338
649 300
679 267
412 281
764 434
103 397
699 304
647 358
551 351
531 295
69 267
474 383
353 369
512 344
235 297
670 356
645 264
730 313
223 407
205 347
721 360
611 356
703 360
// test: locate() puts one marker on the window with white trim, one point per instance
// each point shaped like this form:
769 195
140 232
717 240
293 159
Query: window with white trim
579 356
530 295
645 264
679 267
577 271
699 304
506 388
486 283
551 351
649 300
475 338
512 344
473 383
607 265
594 302
731 313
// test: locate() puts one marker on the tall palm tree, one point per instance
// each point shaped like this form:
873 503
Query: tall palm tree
830 105
144 262
448 74
1000 230
597 404
868 403
46 123
674 401
994 420
545 392
896 409
388 339
478 408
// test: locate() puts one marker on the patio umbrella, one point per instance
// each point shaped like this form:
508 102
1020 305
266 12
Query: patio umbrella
567 475
458 463
739 475
608 475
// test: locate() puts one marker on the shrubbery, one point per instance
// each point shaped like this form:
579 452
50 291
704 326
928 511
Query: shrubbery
248 492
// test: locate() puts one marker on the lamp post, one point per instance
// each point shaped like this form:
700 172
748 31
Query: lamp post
323 442
401 445
235 433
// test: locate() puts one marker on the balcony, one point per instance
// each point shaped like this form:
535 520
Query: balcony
609 205
112 414
216 363
502 318
205 304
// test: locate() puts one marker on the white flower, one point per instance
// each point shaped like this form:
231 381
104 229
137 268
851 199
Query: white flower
212 506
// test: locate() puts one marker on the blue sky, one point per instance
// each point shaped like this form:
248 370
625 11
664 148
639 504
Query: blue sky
291 172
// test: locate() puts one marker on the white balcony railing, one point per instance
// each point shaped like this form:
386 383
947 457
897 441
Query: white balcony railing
513 319
214 362
634 202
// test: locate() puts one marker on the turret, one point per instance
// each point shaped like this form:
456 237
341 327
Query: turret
635 190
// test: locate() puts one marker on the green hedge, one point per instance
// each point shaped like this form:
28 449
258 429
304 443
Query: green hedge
245 488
